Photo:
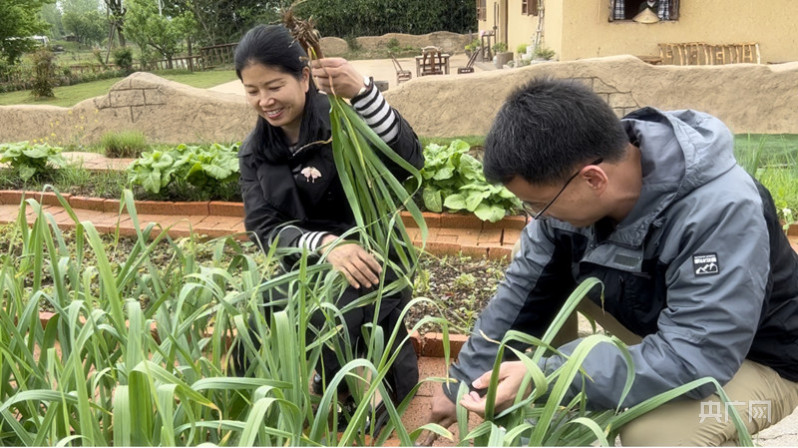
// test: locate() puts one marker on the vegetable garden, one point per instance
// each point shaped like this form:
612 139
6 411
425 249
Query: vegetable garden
139 348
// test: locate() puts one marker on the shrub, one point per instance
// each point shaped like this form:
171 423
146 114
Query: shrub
499 47
544 53
393 45
521 48
353 43
123 58
473 45
148 59
98 54
124 144
30 160
43 74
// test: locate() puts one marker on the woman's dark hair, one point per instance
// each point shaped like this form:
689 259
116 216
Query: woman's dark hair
273 47
547 128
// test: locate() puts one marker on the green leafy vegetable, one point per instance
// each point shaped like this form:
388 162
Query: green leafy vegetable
453 180
30 160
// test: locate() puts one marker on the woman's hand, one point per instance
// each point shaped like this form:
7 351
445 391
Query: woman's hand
337 76
358 266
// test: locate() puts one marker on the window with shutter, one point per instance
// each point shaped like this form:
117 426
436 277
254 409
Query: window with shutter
628 9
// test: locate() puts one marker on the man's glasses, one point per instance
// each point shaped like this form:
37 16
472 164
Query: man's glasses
533 211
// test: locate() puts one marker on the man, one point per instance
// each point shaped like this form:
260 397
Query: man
687 245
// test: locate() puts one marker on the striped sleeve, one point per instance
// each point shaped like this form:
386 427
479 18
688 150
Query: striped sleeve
293 236
380 117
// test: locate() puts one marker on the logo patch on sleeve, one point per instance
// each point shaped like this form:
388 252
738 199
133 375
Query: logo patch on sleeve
705 264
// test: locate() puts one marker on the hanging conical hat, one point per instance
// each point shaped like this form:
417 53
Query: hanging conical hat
646 16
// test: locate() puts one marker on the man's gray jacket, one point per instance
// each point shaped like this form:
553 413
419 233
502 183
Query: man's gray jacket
700 267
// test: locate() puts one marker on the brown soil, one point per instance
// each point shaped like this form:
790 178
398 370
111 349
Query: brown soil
458 288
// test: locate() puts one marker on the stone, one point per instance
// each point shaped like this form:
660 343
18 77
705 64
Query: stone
600 86
622 100
333 46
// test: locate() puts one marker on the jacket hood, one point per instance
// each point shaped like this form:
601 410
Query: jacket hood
680 151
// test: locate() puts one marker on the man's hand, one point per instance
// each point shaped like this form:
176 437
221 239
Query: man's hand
337 76
511 374
358 266
443 412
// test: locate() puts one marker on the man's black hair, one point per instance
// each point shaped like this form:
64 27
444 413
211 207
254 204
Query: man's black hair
547 128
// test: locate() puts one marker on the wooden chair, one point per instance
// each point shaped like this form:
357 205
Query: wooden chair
469 67
431 62
402 75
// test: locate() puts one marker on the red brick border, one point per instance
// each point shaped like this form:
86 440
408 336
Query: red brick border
431 344
87 203
221 208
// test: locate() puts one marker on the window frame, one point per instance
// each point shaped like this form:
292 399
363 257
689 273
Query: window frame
482 6
674 12
529 7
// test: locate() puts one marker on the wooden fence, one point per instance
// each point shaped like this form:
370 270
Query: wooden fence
218 54
181 62
699 53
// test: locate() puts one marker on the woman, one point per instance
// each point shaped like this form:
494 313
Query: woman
288 173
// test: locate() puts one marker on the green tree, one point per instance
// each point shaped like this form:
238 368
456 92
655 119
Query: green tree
79 6
20 19
52 15
378 17
116 18
150 29
225 21
43 73
88 27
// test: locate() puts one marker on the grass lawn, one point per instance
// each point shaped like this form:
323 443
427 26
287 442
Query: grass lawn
70 95
768 145
773 160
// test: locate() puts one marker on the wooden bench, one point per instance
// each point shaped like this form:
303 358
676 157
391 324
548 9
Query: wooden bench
700 53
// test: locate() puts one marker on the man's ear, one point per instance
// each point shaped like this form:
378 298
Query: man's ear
595 177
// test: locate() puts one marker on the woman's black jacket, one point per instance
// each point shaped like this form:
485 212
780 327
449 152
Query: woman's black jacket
301 199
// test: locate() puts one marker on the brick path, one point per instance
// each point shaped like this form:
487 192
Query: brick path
104 214
212 220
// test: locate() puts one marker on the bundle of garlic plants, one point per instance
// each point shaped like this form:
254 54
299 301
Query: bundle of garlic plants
543 417
137 351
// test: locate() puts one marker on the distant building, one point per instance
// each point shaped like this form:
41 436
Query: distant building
41 40
578 29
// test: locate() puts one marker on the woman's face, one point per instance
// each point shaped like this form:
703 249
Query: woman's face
277 96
